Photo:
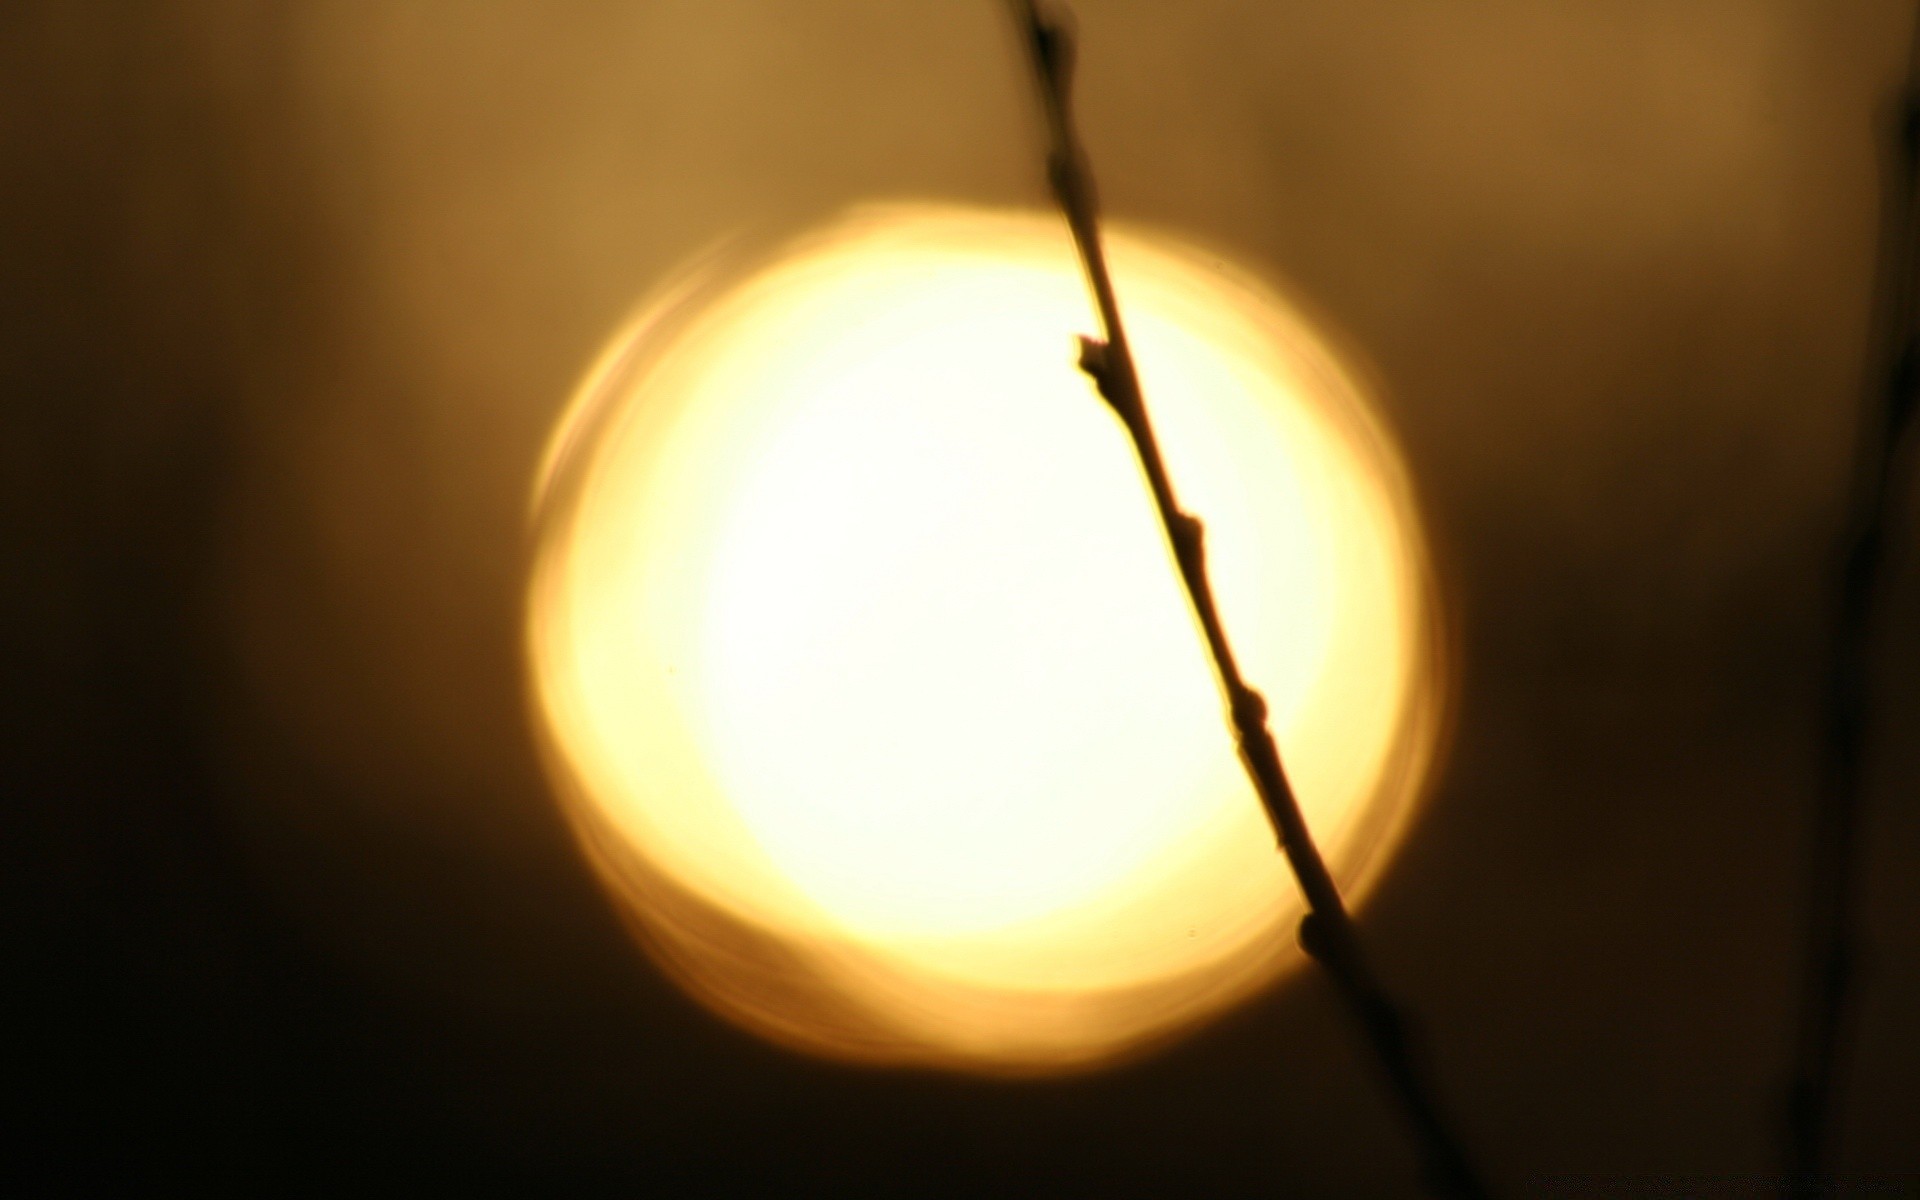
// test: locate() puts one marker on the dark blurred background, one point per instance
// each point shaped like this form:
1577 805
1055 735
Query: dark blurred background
290 293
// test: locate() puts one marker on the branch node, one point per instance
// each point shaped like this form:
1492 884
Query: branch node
1096 360
1313 937
1189 540
1249 710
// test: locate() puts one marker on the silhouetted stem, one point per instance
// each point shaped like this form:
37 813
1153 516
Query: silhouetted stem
1327 932
1831 951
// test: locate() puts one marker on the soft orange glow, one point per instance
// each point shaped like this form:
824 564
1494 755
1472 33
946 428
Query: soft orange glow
866 671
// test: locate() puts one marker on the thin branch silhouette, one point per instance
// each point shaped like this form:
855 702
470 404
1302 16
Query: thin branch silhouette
1327 932
1832 949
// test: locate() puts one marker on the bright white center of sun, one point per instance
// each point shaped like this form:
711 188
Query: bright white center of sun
859 623
949 680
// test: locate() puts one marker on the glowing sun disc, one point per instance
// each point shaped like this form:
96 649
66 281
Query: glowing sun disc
866 673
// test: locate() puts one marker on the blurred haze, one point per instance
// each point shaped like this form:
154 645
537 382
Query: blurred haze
290 294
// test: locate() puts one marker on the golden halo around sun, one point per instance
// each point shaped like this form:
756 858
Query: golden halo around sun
866 676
